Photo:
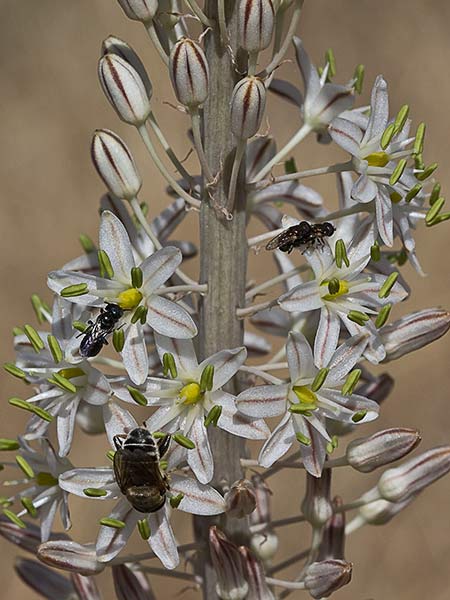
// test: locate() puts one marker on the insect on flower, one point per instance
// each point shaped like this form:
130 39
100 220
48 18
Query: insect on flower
303 234
95 335
137 470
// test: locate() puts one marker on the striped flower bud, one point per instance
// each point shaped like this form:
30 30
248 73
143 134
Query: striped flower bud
254 574
46 582
325 577
240 499
332 544
139 10
115 165
256 22
189 73
114 45
382 448
381 512
70 556
227 562
130 584
414 331
398 484
264 541
316 505
247 107
377 389
124 89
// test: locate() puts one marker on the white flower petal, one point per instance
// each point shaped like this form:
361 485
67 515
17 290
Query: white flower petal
117 420
364 189
256 345
259 151
384 217
327 336
226 364
279 442
273 321
379 110
168 318
99 288
159 267
198 499
304 199
299 356
114 240
97 390
302 298
308 71
313 456
77 480
162 540
234 422
65 422
134 354
344 407
47 514
346 357
182 350
263 401
200 458
347 135
165 418
331 101
110 540
287 91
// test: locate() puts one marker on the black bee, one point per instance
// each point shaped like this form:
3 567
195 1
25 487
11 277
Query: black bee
303 234
95 335
137 470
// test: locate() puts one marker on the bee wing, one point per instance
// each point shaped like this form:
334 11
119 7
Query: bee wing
130 472
282 238
121 470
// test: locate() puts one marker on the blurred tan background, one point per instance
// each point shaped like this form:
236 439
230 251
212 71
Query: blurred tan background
50 104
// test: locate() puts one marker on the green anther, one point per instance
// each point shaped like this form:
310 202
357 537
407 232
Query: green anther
413 192
319 379
418 141
110 454
387 286
401 117
340 254
439 219
94 492
213 416
434 210
331 446
118 340
55 348
319 71
144 316
169 366
402 257
25 466
290 166
137 396
427 172
398 171
435 193
358 76
40 412
358 317
46 479
183 441
175 500
14 518
5 502
387 136
159 435
62 383
139 314
383 316
375 252
359 416
144 528
78 289
114 523
36 303
86 243
28 505
144 208
207 378
303 439
302 409
14 371
104 262
418 162
334 286
136 277
80 326
163 464
17 331
351 382
331 60
34 337
7 444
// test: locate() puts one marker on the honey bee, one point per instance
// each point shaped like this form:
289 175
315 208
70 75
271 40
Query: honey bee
137 470
303 234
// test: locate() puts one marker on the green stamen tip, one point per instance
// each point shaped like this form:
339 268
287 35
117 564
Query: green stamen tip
40 412
340 253
137 277
439 219
418 162
387 136
94 492
86 243
387 286
427 172
358 76
14 518
63 383
144 208
359 416
14 371
144 529
34 337
375 252
105 265
401 117
413 192
175 500
290 166
46 479
213 416
331 60
79 326
114 523
435 193
8 444
383 316
434 210
118 340
351 382
78 289
319 379
55 348
25 466
358 317
159 435
140 314
137 396
110 454
17 331
419 139
207 378
36 303
163 464
169 365
398 171
5 502
28 505
303 439
333 285
183 441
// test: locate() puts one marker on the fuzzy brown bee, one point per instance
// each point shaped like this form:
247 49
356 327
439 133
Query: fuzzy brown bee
303 234
137 470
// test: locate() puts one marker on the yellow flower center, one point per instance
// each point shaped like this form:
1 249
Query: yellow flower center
46 479
71 372
305 396
129 298
378 159
191 393
343 289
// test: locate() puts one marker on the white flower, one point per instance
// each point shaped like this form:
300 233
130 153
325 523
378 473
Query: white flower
161 314
185 401
304 410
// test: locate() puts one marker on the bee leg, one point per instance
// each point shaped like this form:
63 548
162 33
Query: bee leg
118 443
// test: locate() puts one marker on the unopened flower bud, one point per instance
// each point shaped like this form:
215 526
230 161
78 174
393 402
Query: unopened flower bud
378 389
86 587
189 73
227 562
131 584
414 331
124 89
254 573
115 165
256 22
316 505
264 541
70 556
261 514
139 10
325 577
382 448
247 107
114 45
412 476
381 512
240 499
46 582
333 534
28 539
